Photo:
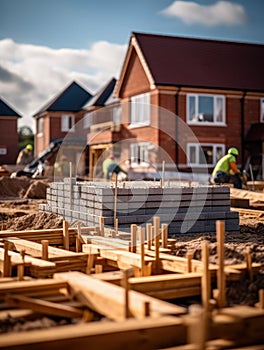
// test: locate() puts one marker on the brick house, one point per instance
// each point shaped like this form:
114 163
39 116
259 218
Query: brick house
8 133
215 87
58 117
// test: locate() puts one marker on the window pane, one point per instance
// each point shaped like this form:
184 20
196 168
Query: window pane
219 110
206 155
192 154
219 153
206 108
191 111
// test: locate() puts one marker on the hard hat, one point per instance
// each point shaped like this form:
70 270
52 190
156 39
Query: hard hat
29 147
233 151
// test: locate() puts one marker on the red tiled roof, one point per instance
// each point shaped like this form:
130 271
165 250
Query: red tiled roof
181 61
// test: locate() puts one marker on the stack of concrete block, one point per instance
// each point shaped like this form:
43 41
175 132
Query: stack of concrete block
185 209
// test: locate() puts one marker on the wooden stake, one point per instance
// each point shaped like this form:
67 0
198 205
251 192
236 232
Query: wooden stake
162 181
149 235
125 284
90 261
142 249
133 230
189 257
66 235
115 201
156 221
116 226
249 264
101 226
260 304
78 238
70 169
206 280
164 235
20 272
98 268
45 249
7 261
221 283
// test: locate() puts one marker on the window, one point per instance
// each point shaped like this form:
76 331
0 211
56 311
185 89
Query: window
262 110
205 109
67 123
87 120
3 151
204 154
140 110
139 154
40 126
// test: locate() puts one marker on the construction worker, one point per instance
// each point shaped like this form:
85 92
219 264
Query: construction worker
25 156
226 170
110 167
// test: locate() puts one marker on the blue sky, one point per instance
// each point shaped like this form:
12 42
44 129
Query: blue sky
44 45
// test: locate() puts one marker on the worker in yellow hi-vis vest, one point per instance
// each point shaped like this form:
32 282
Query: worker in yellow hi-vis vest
226 170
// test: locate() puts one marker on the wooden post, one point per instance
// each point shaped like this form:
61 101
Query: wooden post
113 233
45 249
115 201
164 235
90 261
7 261
260 304
125 284
133 230
142 249
156 221
189 257
162 182
78 238
221 283
66 237
21 267
70 169
149 235
249 264
98 268
116 226
101 226
206 280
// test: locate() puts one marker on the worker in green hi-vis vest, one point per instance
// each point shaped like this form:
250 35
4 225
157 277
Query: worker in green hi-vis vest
226 170
110 167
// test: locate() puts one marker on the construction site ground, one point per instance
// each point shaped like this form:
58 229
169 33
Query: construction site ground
20 199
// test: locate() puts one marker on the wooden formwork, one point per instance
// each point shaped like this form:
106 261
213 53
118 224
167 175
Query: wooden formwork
128 282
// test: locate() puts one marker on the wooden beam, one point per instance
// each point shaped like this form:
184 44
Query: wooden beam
108 300
43 306
138 334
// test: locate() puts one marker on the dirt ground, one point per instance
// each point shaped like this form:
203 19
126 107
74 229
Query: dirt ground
19 201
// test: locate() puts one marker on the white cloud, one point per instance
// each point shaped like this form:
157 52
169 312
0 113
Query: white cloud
220 13
31 75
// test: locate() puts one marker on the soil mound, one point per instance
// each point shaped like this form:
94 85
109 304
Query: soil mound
23 187
35 221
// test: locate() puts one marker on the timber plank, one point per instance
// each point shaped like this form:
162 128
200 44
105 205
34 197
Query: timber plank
108 299
43 306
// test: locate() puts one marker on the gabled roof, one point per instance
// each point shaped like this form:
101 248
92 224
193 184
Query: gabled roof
190 62
71 99
7 111
101 98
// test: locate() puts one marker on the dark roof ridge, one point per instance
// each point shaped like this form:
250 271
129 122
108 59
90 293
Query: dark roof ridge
7 110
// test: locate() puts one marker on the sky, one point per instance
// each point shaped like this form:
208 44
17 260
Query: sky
45 45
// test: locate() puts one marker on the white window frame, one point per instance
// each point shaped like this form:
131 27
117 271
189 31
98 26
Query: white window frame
143 149
197 146
262 110
67 123
140 110
214 122
40 122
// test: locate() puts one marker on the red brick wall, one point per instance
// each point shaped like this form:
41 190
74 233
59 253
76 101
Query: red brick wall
135 80
9 139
